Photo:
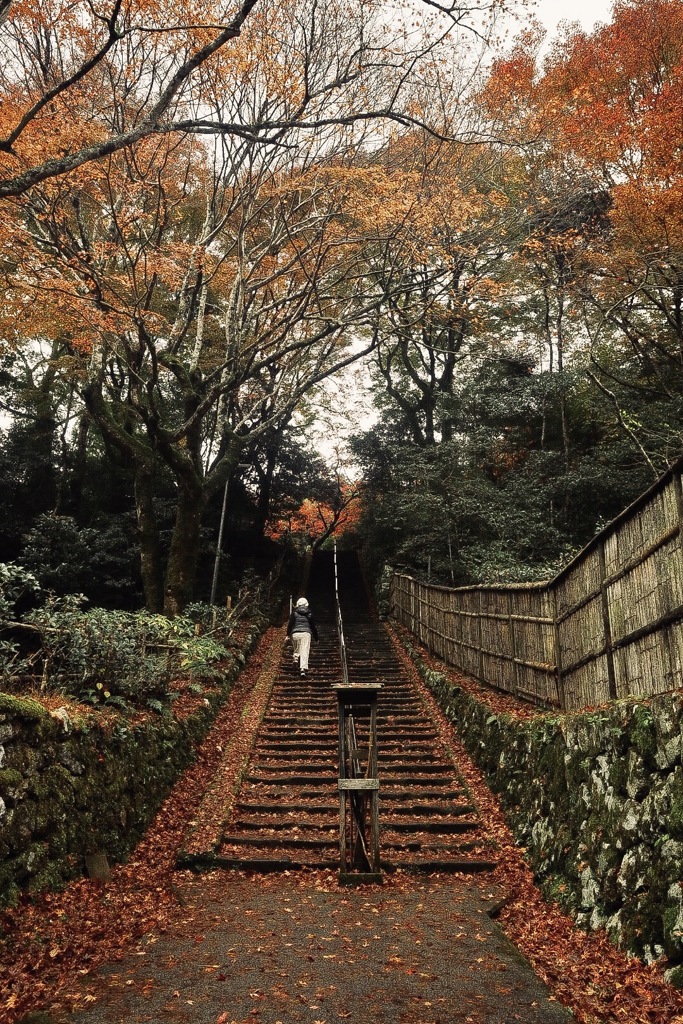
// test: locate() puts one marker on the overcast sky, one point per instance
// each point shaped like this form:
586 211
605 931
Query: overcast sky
588 12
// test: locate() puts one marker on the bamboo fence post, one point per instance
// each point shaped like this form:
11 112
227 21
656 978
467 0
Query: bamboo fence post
607 629
481 634
558 653
513 645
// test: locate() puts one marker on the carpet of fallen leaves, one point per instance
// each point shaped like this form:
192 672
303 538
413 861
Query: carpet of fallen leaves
583 970
52 942
205 831
49 939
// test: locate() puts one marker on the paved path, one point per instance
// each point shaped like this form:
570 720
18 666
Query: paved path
297 949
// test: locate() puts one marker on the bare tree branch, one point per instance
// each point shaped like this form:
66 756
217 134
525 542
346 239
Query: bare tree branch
21 183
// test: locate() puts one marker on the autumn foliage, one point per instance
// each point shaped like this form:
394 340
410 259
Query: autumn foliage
607 108
316 520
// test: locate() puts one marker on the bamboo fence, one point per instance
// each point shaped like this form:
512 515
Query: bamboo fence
608 625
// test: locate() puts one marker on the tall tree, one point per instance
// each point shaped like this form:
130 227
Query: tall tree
605 111
441 209
81 81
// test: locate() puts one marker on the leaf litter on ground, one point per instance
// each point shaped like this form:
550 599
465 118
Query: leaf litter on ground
583 970
53 941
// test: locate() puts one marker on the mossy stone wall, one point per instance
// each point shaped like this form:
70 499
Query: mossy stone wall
69 789
597 800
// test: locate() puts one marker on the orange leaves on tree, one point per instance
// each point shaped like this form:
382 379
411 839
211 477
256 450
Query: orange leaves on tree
614 101
314 521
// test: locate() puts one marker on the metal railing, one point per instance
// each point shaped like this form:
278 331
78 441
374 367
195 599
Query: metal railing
340 624
358 782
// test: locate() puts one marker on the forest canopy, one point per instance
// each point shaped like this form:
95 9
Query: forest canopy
209 210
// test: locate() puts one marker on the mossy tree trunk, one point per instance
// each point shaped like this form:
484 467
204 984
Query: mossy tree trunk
148 537
184 550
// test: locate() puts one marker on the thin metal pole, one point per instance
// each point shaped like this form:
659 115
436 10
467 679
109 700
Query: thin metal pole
217 560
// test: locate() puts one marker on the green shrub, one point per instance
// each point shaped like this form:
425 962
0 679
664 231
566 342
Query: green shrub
119 658
16 583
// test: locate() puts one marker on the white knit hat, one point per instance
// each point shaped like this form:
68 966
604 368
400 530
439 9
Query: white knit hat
302 603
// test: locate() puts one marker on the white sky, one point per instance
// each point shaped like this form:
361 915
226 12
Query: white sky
587 12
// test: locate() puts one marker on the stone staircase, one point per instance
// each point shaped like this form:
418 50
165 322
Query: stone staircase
286 814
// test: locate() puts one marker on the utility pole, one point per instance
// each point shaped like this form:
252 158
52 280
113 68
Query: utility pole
219 544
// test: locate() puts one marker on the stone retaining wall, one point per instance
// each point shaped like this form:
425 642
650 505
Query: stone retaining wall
596 798
69 789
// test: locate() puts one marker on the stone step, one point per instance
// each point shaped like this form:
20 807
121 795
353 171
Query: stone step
286 813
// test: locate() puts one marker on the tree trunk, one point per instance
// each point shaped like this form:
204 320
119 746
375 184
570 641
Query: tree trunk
265 478
148 538
184 550
76 477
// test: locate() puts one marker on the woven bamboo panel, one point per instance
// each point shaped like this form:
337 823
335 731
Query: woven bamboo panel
647 591
469 662
540 687
582 579
489 633
587 685
636 534
495 602
643 667
495 635
535 642
498 672
468 601
471 630
455 620
536 602
582 633
673 636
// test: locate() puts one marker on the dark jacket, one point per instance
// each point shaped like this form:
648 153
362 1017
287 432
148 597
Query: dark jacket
301 621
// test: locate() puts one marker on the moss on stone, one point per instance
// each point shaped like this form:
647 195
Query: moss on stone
20 824
9 889
675 976
674 824
54 786
53 876
559 889
642 733
10 781
24 759
618 775
23 707
581 791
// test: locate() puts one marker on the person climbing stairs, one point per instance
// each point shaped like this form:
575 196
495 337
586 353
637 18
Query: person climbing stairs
286 813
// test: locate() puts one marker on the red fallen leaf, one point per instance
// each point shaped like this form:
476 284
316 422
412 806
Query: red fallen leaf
222 1019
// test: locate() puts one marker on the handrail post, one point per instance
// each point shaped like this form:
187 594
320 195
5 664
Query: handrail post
358 846
359 858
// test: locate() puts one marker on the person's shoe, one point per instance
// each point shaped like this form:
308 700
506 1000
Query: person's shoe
303 673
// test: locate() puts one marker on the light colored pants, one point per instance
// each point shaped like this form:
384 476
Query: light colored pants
302 648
